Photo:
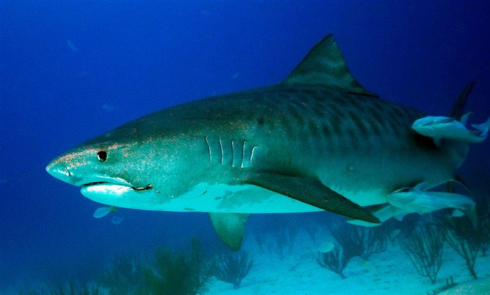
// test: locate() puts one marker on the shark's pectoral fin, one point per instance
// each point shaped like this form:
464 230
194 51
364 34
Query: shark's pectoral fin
310 191
230 228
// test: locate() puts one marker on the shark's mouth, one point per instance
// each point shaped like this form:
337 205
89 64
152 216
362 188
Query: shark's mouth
93 183
118 183
117 193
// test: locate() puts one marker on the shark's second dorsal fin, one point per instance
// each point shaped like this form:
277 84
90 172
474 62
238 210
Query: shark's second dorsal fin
325 65
460 104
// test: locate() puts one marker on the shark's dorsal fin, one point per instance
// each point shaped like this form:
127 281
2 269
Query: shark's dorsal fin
325 65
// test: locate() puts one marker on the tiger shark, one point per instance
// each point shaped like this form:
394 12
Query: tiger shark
316 141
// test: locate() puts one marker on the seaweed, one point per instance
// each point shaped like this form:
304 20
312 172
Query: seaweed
483 226
484 233
74 290
311 228
349 238
281 239
169 273
424 248
335 260
260 237
233 268
465 239
71 288
123 275
449 284
176 274
360 241
352 241
374 240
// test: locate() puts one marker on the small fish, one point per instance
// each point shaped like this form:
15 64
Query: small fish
450 128
457 213
116 220
71 46
326 247
419 200
109 107
103 211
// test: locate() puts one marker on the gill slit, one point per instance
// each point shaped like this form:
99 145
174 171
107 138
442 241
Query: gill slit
221 148
252 154
209 149
232 153
243 154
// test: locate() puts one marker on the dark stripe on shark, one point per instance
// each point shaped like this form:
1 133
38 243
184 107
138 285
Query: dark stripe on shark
341 120
328 140
320 112
296 114
336 111
374 128
313 128
359 124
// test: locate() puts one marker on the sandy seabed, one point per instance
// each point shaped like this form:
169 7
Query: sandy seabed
390 272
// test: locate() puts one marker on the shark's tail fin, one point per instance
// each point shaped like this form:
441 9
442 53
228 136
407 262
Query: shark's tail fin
460 104
458 150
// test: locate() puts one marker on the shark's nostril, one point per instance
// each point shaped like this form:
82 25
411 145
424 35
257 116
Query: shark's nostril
59 171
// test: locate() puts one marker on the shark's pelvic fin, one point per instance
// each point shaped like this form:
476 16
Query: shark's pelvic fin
230 228
325 65
310 191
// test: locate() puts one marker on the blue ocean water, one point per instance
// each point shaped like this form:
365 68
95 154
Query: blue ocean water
72 70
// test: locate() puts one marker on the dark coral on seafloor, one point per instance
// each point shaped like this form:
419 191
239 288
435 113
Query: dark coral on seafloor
334 260
424 247
233 267
177 274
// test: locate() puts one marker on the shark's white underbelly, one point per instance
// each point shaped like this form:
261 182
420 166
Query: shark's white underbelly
206 197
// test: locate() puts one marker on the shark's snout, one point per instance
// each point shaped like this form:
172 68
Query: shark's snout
60 171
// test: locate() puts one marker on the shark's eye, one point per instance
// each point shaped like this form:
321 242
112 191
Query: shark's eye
102 156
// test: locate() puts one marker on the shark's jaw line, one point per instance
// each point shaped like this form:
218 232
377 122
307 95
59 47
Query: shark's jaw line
103 179
120 195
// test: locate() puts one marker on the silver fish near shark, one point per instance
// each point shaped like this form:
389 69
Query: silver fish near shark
449 128
316 141
418 199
